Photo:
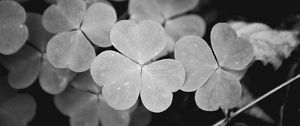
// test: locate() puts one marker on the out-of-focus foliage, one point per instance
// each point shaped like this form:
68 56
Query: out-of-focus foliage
171 13
270 45
214 76
31 62
85 105
76 25
125 76
12 18
15 109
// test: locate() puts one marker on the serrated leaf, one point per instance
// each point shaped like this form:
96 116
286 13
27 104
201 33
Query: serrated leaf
120 78
139 41
23 67
98 22
197 59
70 50
63 16
185 25
221 90
54 80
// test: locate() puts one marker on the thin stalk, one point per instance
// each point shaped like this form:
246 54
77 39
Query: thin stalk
258 99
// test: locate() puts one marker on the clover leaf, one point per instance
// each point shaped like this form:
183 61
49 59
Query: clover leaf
214 76
30 62
125 76
15 109
86 107
170 13
12 18
76 27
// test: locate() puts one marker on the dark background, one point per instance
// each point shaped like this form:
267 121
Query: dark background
282 14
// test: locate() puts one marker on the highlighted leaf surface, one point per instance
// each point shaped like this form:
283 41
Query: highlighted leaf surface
65 15
198 60
124 77
231 52
98 22
139 41
12 17
120 78
159 80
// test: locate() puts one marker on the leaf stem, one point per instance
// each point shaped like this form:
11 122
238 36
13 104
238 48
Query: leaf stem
259 99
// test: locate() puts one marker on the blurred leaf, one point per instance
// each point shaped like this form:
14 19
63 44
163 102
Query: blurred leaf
38 36
141 48
23 67
18 110
145 10
88 3
185 25
70 50
11 13
98 22
54 80
170 8
254 111
6 91
120 78
198 60
159 10
85 108
63 16
270 46
84 81
140 117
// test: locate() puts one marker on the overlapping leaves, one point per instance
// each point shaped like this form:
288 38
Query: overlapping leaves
214 77
125 76
12 18
31 62
169 12
85 104
75 26
15 109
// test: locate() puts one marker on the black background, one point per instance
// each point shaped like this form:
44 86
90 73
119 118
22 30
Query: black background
283 14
